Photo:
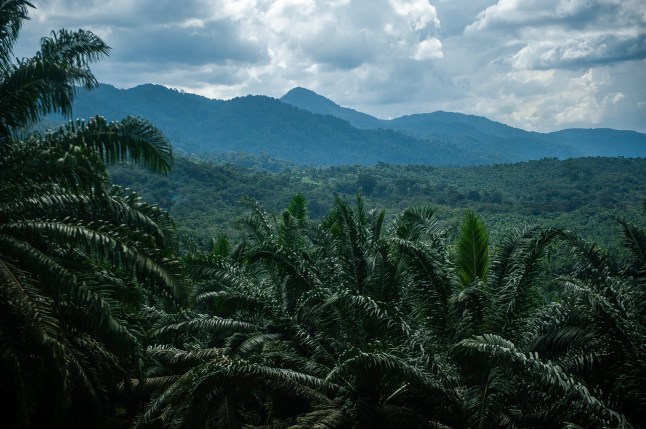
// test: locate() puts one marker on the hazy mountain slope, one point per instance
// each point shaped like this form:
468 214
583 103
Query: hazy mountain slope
484 138
481 135
260 124
604 141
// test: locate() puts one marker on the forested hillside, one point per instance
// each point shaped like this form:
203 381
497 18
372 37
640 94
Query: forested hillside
308 129
259 124
486 140
585 195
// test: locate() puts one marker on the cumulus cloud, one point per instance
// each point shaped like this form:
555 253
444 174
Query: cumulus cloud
581 51
428 49
556 63
567 33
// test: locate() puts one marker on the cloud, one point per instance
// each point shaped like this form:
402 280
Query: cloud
428 49
120 13
582 51
548 64
574 14
347 34
419 13
566 33
200 43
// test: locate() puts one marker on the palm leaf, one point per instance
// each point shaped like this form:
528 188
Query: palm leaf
46 82
132 140
104 243
635 241
472 251
12 15
545 374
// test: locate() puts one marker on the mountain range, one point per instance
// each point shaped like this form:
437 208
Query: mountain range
306 128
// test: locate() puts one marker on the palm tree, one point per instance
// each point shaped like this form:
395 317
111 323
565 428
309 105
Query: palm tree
597 332
349 323
479 315
581 357
78 257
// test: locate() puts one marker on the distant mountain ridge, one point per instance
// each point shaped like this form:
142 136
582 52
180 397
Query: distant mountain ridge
477 133
306 128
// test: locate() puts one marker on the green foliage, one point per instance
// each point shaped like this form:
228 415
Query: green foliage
472 251
204 198
326 316
389 325
79 258
45 83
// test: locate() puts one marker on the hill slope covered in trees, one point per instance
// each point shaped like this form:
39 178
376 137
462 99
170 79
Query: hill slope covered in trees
306 128
585 195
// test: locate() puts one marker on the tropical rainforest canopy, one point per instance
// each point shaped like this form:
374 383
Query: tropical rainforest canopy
352 319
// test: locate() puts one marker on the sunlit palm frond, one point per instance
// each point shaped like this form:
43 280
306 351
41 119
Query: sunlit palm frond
132 140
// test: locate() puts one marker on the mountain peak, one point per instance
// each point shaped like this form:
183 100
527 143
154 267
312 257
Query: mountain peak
309 100
299 90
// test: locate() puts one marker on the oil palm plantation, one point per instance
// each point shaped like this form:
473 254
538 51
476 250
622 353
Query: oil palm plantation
355 322
290 330
570 362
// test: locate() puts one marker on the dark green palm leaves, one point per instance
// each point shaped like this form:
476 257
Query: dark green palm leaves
78 258
44 83
357 322
302 303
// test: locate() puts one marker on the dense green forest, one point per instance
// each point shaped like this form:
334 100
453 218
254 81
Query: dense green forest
585 195
314 315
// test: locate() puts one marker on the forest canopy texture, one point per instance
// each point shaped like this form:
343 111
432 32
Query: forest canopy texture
354 319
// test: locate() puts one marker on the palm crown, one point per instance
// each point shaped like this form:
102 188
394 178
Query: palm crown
79 258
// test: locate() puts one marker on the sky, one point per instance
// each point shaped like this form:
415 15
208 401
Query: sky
539 65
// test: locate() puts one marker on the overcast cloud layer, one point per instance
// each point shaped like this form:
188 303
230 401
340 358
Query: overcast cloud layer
535 64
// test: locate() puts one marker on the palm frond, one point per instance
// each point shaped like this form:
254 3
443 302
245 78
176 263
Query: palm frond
386 373
541 373
350 232
175 356
635 241
206 323
75 48
431 288
472 251
322 418
132 140
187 401
107 244
516 269
12 15
46 82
